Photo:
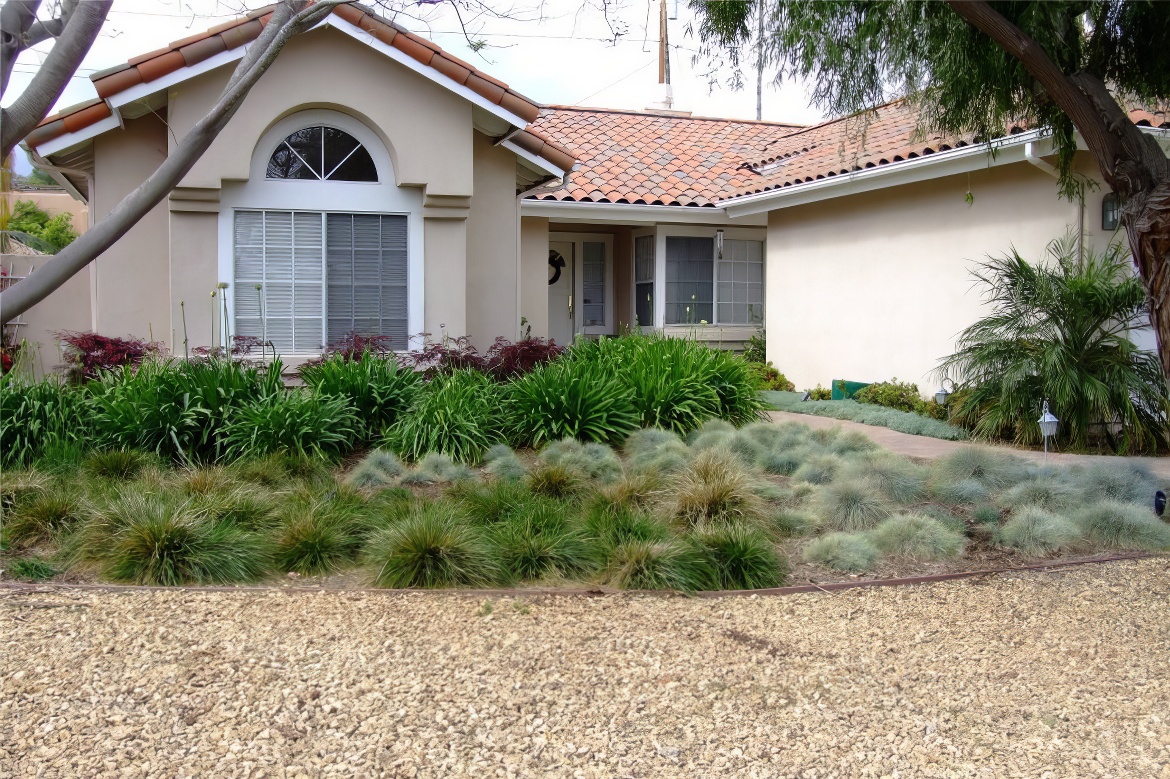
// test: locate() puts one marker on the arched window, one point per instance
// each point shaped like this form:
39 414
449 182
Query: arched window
321 153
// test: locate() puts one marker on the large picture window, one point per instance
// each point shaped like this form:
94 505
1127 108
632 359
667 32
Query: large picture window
704 285
306 278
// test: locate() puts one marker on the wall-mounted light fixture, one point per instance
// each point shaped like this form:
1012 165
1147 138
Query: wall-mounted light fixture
1110 212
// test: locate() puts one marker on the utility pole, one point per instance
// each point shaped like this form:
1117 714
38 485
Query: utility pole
760 63
665 98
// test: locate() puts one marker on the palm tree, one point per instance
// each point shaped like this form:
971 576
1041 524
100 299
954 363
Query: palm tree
1061 331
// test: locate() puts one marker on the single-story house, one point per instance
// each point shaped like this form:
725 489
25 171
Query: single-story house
372 182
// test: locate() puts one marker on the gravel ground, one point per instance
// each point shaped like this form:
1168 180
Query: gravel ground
1058 674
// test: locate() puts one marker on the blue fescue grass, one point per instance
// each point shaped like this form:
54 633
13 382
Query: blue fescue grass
866 414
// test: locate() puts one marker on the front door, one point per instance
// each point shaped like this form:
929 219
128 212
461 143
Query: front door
560 291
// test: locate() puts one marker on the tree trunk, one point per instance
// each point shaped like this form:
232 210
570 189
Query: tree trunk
1132 163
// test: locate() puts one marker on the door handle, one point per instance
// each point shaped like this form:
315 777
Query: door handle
570 306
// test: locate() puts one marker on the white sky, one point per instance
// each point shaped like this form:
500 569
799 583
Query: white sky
569 57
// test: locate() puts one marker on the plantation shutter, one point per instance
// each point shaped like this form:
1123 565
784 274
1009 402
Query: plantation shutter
365 263
278 292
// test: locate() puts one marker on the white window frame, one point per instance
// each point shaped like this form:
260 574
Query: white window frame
383 197
578 240
686 231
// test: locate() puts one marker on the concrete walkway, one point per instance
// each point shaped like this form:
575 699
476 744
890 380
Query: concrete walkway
927 448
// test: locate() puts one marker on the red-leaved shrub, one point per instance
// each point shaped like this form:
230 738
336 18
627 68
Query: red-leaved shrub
88 354
507 360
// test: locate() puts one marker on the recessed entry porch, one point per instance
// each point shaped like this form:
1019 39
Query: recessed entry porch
703 281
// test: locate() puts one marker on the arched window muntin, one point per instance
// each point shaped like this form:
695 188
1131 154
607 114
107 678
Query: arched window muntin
321 152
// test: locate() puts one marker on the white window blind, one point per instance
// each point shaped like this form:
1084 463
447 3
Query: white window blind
304 279
366 267
740 292
278 267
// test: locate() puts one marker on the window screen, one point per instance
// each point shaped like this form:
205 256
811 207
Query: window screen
740 291
690 274
593 283
644 280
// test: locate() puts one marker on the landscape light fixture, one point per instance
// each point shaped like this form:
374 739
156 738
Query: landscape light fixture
1110 212
1159 503
1048 426
943 393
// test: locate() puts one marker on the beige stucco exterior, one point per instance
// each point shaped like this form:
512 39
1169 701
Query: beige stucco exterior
877 285
493 283
534 274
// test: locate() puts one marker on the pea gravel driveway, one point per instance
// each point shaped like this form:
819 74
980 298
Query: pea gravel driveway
1058 674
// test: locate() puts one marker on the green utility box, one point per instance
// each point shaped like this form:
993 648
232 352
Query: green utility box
843 390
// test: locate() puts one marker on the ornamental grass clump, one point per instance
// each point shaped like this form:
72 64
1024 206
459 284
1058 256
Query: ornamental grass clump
115 464
580 399
457 415
714 489
503 464
669 564
783 462
896 477
316 541
610 527
1047 491
44 515
241 505
296 422
433 547
959 493
634 491
555 481
995 470
492 502
1123 481
741 558
538 543
1036 532
851 505
32 569
818 469
158 540
1123 526
917 537
851 552
593 461
378 470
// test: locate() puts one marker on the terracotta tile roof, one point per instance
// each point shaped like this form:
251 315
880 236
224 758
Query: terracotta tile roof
197 48
653 158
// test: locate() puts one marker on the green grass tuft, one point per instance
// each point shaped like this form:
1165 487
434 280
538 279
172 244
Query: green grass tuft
316 541
987 514
851 552
44 516
433 547
917 537
1123 481
555 481
592 461
741 558
504 464
32 569
1045 492
611 527
538 543
995 470
1123 526
378 470
715 489
1036 532
960 493
851 505
115 464
790 523
818 469
491 503
659 565
896 477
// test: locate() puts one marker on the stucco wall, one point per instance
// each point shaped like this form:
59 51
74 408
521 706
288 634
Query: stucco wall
492 272
875 286
132 277
534 274
427 129
445 277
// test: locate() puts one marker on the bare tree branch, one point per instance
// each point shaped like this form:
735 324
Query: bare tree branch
16 18
19 119
289 18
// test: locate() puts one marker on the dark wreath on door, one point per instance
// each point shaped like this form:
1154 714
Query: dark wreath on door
557 263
